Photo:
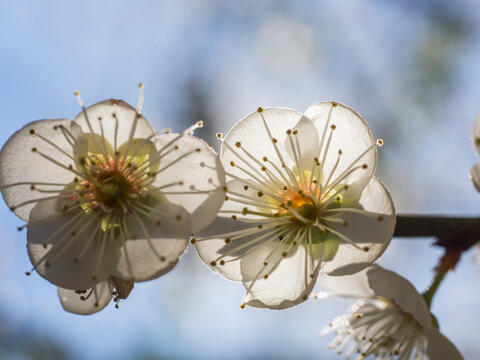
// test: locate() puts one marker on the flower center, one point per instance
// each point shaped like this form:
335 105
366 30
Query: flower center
110 185
302 204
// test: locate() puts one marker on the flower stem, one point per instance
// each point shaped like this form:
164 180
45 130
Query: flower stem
428 295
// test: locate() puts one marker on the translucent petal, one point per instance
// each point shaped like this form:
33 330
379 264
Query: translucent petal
95 299
371 232
439 347
354 286
375 281
59 238
18 164
388 284
475 176
211 249
254 138
154 243
287 285
351 135
192 162
304 136
108 111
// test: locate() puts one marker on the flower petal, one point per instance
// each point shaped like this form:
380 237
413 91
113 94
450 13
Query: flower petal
195 167
212 249
304 136
153 243
371 231
352 136
475 176
290 282
110 112
64 246
19 165
354 286
95 299
439 347
254 138
375 281
388 284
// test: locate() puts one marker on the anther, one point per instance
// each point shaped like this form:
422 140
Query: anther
366 249
34 149
380 218
32 131
295 132
364 166
227 240
193 241
284 254
334 104
222 262
265 276
213 263
238 144
260 194
333 126
339 151
274 140
28 273
224 188
259 109
380 142
245 187
219 135
94 278
289 132
232 163
265 158
178 217
234 217
47 264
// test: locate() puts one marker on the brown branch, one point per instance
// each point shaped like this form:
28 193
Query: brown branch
459 232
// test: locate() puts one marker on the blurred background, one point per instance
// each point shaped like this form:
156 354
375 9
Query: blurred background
409 67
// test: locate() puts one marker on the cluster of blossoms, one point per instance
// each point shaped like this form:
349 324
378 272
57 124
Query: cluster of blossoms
390 321
108 201
301 199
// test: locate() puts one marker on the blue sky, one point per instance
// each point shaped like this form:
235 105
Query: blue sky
410 68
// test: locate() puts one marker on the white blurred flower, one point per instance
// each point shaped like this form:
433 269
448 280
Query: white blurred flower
106 198
391 321
301 198
475 170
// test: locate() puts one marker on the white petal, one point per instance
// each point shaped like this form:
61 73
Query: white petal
154 244
351 135
211 249
254 138
439 347
355 286
98 299
201 174
388 284
476 134
60 238
475 176
308 141
126 116
372 232
288 285
19 164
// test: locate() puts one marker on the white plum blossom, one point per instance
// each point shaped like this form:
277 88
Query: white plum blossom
107 200
390 321
301 198
475 171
